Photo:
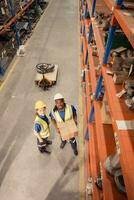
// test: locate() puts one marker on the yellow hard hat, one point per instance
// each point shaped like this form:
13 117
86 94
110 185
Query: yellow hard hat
40 104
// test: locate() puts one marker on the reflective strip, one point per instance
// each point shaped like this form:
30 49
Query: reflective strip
43 145
125 124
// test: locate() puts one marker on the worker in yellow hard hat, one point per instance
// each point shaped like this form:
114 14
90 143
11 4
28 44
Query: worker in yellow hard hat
64 118
41 127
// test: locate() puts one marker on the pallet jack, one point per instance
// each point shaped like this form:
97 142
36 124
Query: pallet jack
46 75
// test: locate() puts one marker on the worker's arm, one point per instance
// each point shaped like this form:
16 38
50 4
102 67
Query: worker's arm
55 125
37 129
54 122
38 136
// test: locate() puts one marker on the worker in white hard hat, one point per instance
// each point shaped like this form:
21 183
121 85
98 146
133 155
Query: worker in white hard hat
41 127
64 118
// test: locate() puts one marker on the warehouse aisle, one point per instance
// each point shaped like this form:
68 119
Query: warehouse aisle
24 173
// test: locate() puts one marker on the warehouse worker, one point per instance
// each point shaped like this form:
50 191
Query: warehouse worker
64 118
41 127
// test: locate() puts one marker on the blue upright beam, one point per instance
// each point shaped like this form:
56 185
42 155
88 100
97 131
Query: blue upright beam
90 28
17 34
87 135
81 29
98 87
87 15
109 44
91 115
119 2
86 59
14 25
10 5
93 7
90 34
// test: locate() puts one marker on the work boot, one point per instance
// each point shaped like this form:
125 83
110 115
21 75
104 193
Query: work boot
74 146
76 152
49 142
44 150
62 145
47 151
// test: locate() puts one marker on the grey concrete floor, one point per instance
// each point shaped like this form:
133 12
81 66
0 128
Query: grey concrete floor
25 174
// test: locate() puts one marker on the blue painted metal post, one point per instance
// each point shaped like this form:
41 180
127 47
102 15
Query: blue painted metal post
91 115
109 43
98 87
93 7
119 2
90 28
86 10
81 29
90 34
17 34
87 15
110 37
14 26
86 59
87 134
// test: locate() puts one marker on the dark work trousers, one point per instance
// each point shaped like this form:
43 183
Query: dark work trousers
73 143
42 145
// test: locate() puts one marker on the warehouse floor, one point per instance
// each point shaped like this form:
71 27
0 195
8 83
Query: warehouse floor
25 174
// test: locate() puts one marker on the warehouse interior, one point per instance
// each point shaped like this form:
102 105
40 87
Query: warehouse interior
83 50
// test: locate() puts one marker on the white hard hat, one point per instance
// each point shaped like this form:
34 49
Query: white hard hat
58 96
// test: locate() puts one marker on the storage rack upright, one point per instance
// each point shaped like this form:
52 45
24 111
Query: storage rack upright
17 19
105 139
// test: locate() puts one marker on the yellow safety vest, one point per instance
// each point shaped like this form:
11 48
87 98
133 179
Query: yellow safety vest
68 114
45 131
67 127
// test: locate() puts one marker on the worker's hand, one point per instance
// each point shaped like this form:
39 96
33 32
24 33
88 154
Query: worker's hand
41 141
76 123
58 130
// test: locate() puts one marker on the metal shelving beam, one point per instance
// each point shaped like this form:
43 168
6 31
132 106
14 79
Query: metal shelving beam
126 22
119 113
15 17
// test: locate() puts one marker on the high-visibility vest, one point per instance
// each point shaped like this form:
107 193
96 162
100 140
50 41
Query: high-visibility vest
68 114
45 131
67 126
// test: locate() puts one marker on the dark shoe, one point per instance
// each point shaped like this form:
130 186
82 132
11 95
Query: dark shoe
47 151
44 150
41 150
76 152
62 145
49 142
